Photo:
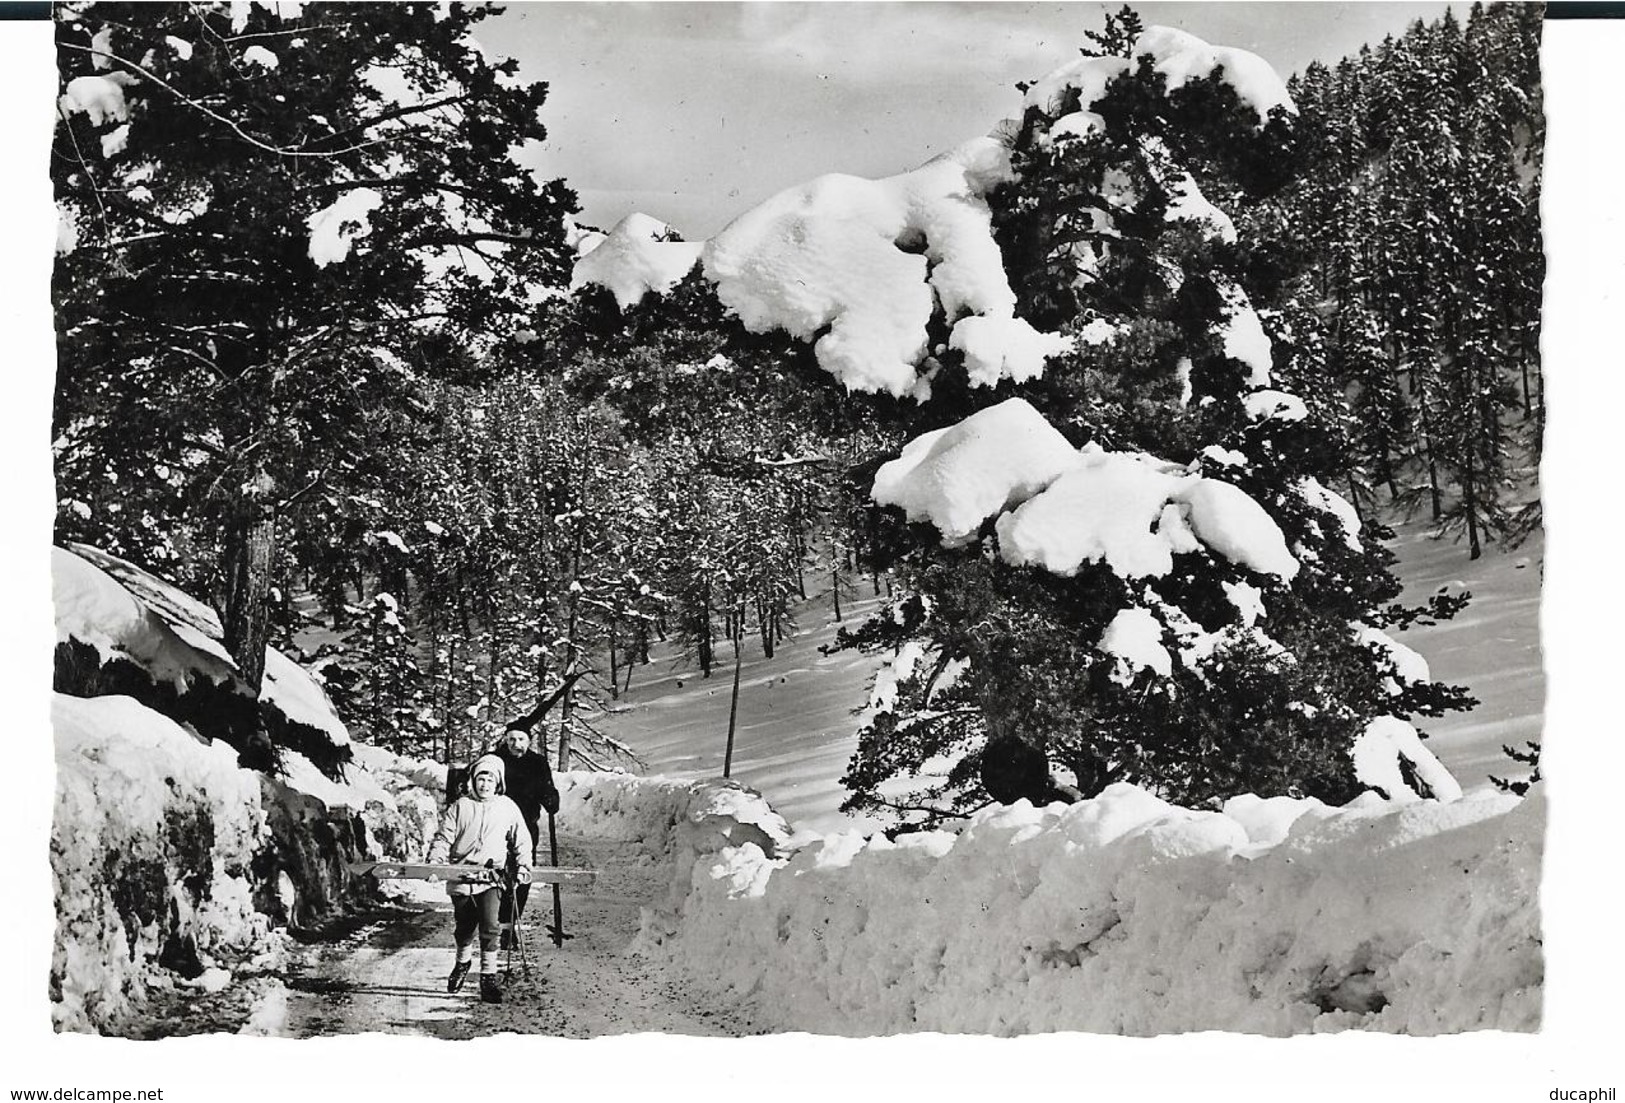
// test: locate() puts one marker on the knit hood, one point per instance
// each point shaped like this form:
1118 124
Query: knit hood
488 764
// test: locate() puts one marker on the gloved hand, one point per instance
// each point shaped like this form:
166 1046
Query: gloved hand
550 801
434 878
522 876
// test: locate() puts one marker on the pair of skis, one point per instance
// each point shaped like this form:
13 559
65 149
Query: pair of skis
470 873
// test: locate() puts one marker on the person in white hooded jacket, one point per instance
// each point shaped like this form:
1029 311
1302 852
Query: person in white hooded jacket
486 828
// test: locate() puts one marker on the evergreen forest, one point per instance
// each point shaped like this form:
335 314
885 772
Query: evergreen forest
461 492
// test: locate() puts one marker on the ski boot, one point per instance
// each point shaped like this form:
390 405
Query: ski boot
458 972
490 988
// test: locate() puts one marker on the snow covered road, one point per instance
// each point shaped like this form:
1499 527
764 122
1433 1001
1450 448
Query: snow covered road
391 976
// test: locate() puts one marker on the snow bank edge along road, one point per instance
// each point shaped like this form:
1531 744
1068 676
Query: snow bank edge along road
1121 914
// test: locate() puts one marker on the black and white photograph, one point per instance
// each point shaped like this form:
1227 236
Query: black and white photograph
834 520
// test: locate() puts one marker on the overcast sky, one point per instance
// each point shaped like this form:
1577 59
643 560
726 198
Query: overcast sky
693 112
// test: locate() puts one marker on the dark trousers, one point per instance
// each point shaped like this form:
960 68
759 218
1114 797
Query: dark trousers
478 911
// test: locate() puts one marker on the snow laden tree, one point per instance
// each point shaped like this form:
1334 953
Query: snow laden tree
1125 561
1117 554
278 221
746 439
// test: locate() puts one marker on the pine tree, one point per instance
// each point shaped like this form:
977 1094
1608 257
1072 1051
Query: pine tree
1003 690
279 227
1421 211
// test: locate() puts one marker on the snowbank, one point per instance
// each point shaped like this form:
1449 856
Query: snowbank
296 694
173 861
125 612
95 609
1121 914
679 823
399 802
156 834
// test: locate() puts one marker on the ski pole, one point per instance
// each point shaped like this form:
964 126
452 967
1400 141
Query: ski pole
557 929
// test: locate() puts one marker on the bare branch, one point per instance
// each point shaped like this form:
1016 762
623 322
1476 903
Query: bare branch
301 492
400 112
792 461
474 238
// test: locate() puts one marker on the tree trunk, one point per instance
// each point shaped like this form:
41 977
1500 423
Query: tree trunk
764 625
733 704
565 708
493 662
1469 506
835 589
434 659
250 548
375 677
1424 424
873 515
447 710
567 705
704 642
467 634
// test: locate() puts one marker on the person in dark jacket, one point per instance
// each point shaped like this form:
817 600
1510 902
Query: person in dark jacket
530 786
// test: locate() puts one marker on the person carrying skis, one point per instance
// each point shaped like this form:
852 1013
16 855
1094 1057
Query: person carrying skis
483 827
530 786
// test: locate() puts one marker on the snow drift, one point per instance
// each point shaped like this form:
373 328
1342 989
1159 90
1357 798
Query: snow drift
1121 914
155 834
